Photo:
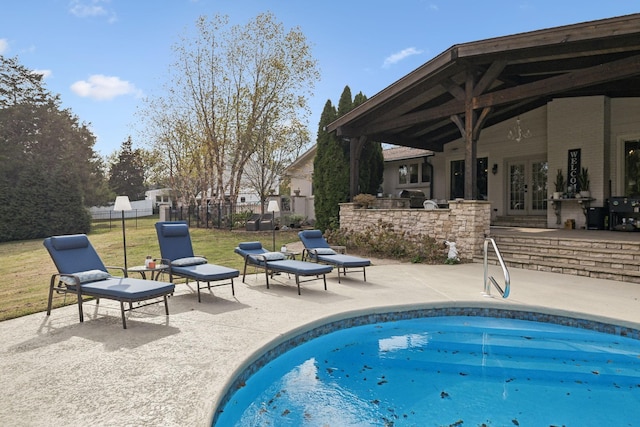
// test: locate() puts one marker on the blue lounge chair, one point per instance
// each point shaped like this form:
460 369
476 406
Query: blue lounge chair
274 262
177 252
317 249
81 272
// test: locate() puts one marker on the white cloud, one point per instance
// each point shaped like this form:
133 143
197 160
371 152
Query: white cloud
101 87
4 45
399 56
44 73
91 8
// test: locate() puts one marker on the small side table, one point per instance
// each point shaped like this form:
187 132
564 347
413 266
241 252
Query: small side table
143 269
290 254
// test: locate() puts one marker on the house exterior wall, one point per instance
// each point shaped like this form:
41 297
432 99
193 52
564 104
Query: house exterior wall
625 124
301 178
579 123
391 185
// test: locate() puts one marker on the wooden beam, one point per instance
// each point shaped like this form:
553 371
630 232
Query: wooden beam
598 74
470 166
355 151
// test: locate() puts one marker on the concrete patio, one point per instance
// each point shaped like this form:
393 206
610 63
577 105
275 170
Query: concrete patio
170 371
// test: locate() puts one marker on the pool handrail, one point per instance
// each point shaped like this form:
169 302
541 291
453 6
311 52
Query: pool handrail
507 279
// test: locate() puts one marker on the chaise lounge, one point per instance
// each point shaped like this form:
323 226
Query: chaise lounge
176 251
81 272
274 262
317 249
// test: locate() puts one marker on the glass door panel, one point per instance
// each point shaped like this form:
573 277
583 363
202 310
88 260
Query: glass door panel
527 187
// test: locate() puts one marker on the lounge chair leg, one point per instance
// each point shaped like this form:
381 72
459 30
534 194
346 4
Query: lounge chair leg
80 313
324 279
338 274
298 283
124 321
244 272
266 273
51 286
233 291
364 273
198 286
166 305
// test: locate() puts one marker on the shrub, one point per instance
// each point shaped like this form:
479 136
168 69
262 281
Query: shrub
383 241
364 200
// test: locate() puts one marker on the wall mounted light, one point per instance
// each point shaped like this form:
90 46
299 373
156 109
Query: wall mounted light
494 169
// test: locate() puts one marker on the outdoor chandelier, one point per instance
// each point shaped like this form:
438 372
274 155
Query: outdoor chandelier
517 134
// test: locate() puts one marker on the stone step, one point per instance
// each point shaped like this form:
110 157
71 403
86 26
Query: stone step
531 221
613 260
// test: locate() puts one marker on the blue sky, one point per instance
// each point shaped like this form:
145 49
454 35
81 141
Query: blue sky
104 56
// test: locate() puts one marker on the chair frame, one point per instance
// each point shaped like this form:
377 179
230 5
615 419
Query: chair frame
312 255
260 261
185 275
80 290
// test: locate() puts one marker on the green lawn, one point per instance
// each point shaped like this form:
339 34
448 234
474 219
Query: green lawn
26 268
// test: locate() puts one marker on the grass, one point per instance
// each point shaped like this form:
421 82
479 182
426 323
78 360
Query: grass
26 268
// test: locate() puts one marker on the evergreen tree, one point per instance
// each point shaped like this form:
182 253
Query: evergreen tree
330 169
332 164
127 172
46 159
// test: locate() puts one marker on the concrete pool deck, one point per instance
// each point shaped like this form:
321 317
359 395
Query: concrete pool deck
170 371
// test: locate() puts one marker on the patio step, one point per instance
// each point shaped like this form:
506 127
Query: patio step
604 259
531 221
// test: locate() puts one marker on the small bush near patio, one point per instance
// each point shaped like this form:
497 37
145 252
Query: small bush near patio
383 241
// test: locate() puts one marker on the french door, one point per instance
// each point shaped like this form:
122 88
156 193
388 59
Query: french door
527 187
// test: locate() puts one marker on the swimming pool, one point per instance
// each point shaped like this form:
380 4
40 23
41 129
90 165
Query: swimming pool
445 371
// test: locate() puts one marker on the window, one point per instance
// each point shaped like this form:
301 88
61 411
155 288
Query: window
402 174
632 168
413 173
457 179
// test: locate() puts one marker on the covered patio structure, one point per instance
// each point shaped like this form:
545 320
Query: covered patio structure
477 85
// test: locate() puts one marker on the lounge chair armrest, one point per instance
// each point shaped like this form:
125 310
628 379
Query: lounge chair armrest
115 267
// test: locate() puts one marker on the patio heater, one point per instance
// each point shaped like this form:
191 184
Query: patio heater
122 204
273 208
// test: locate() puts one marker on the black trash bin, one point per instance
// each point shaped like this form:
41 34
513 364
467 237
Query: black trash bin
595 218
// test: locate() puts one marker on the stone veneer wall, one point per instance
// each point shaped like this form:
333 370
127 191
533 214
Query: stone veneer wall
466 223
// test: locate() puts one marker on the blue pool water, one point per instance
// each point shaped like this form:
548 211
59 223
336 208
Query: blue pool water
446 371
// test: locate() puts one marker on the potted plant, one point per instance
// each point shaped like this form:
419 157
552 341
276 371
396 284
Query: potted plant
583 181
560 185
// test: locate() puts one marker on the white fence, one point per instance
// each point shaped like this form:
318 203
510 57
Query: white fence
139 208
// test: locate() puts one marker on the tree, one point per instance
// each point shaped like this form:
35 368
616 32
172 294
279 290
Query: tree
330 172
270 160
47 163
332 164
127 173
231 92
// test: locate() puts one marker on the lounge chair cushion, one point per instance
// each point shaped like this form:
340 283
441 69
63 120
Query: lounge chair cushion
86 276
340 260
127 288
301 268
269 256
63 243
175 230
205 272
185 262
323 251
